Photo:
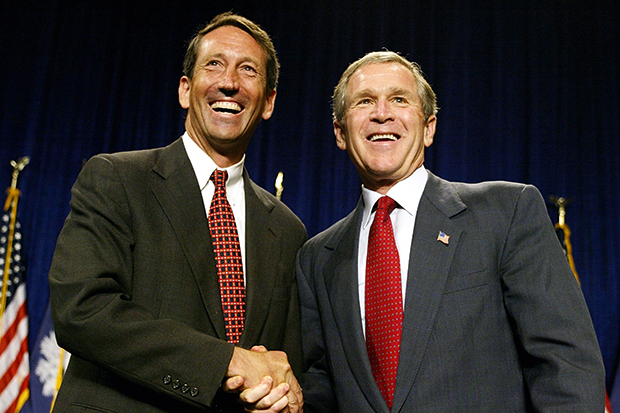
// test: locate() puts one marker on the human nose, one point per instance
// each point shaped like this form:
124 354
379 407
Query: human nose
229 81
382 112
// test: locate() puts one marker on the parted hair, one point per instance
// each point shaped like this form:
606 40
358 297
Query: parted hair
253 29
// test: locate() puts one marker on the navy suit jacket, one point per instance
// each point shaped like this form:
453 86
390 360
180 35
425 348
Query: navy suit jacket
135 292
494 321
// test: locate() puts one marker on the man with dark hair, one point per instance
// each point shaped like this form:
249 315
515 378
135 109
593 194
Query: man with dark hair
272 67
174 272
436 296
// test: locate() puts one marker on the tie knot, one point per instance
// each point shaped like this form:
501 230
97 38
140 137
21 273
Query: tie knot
386 204
219 178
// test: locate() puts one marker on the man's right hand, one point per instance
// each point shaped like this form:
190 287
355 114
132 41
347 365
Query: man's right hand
265 380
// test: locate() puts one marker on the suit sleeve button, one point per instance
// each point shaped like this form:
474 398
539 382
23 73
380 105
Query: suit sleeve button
194 392
167 379
176 384
184 388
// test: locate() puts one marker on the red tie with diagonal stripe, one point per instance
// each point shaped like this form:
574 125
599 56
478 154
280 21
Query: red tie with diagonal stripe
228 260
384 309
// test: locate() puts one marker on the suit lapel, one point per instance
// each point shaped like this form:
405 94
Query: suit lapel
429 265
180 198
263 239
342 289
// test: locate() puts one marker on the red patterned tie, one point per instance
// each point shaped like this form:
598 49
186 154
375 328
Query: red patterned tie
228 260
384 308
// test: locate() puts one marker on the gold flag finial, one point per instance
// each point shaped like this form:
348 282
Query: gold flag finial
561 203
17 168
279 187
12 191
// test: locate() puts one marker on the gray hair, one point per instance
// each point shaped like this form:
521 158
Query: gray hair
425 92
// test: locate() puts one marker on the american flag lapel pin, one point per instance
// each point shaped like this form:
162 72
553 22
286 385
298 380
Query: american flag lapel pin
443 237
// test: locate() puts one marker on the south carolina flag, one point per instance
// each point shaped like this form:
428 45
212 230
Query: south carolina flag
48 363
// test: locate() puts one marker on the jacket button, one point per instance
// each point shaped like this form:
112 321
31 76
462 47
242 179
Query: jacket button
167 379
194 392
184 388
176 384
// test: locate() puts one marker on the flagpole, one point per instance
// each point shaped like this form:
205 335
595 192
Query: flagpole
11 202
560 203
59 377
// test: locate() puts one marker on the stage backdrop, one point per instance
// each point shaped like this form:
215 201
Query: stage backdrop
528 90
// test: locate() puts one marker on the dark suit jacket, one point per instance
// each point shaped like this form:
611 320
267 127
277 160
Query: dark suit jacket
135 293
494 321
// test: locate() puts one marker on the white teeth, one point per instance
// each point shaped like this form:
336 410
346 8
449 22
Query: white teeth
387 136
227 106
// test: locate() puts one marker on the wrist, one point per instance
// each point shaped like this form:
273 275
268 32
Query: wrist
238 362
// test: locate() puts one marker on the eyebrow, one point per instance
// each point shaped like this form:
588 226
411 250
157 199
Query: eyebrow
393 90
243 59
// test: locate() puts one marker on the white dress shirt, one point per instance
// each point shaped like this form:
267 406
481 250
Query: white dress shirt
203 168
407 194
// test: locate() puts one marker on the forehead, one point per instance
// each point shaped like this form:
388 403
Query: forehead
382 77
234 42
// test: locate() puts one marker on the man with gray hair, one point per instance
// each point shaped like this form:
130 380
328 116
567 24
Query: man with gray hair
436 296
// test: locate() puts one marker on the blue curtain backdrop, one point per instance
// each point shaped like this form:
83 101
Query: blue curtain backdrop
528 90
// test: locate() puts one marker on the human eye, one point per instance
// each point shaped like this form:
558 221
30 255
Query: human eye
212 64
249 70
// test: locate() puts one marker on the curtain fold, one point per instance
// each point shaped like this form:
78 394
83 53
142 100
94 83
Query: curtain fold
528 91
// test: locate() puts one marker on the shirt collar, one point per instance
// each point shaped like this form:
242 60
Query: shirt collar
204 166
407 194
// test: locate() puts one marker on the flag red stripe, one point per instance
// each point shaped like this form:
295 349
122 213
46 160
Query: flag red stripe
12 330
13 406
24 387
10 372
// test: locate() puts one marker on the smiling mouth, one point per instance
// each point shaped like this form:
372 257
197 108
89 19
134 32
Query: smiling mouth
383 137
226 107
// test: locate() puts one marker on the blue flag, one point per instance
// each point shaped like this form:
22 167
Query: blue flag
45 371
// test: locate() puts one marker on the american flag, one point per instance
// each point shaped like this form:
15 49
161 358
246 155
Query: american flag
443 237
14 367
